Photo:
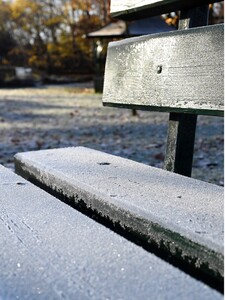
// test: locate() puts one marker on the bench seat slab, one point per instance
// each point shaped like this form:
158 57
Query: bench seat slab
176 213
48 250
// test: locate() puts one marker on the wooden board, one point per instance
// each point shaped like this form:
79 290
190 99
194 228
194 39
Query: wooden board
133 9
180 71
50 251
179 216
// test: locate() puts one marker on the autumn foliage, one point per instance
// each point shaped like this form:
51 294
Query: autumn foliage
49 35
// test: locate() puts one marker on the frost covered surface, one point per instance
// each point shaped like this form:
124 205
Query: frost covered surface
55 117
55 252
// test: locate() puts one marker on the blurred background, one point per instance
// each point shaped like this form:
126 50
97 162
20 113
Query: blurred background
52 59
66 40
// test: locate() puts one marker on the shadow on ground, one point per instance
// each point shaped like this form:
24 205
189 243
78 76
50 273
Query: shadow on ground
33 119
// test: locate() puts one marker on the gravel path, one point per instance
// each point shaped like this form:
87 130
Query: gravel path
53 117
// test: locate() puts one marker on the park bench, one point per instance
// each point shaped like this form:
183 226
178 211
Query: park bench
179 72
130 231
48 250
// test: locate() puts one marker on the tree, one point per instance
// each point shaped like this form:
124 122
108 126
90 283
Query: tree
79 18
7 42
50 32
216 13
35 24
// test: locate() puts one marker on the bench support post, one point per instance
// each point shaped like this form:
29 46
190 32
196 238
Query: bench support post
181 132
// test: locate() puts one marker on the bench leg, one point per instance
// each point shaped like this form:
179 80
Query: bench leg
180 143
181 132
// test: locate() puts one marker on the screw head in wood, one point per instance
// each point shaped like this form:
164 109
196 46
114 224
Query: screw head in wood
159 69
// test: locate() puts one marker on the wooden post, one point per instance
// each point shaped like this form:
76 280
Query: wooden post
181 132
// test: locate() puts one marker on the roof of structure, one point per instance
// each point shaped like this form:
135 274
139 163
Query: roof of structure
139 27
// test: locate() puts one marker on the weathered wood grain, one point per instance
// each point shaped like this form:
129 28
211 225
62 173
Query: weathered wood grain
181 128
50 251
181 71
180 216
133 9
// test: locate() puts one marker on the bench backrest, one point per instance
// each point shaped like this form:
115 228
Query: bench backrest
173 72
133 9
179 72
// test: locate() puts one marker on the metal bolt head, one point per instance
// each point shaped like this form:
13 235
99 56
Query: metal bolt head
159 69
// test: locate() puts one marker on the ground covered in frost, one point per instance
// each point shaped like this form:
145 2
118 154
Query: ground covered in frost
54 117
